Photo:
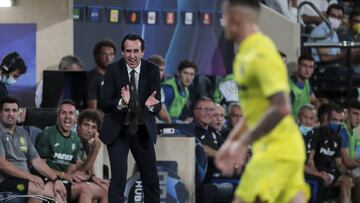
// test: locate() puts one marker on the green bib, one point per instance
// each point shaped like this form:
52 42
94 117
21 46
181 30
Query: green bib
301 96
179 101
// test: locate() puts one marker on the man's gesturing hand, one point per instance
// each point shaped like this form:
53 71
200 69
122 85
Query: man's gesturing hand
151 100
125 94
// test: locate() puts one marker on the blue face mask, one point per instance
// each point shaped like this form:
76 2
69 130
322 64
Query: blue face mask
335 126
8 80
305 130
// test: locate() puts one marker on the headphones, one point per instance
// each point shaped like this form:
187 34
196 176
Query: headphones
8 66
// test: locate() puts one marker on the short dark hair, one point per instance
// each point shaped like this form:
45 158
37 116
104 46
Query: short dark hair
354 105
8 100
91 115
103 43
323 110
254 4
67 101
157 60
354 12
336 7
186 64
133 37
201 99
12 62
335 108
305 57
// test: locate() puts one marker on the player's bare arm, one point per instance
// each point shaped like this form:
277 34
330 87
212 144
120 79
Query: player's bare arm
280 108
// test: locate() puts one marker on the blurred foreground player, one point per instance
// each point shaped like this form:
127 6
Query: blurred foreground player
275 173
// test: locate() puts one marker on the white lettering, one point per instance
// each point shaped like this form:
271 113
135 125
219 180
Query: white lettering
66 157
327 152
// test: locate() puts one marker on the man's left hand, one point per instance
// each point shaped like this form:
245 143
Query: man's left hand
151 100
103 183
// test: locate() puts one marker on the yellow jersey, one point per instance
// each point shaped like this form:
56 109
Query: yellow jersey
260 73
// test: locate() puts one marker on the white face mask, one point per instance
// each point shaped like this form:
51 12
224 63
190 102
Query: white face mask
335 23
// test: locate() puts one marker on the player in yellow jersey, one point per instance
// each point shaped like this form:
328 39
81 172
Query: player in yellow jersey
275 173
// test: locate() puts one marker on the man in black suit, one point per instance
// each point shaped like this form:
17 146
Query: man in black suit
131 96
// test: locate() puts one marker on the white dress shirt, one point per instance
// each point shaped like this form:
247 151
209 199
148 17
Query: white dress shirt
137 75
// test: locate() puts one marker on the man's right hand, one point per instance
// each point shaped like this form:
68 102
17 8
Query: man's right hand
125 95
326 177
38 182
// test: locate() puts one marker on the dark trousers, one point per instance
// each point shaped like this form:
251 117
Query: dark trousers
142 148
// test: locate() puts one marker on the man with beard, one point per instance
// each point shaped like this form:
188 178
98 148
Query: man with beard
104 53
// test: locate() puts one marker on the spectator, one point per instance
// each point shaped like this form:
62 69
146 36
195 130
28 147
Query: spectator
325 156
301 92
353 33
11 68
59 146
227 91
203 111
104 53
67 63
218 121
323 114
309 16
235 115
160 62
176 89
89 123
335 14
289 9
17 152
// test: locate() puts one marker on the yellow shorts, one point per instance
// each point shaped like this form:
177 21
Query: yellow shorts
272 181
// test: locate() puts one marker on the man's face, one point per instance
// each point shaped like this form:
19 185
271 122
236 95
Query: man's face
307 118
337 117
9 114
186 76
336 14
15 74
66 117
87 129
217 121
354 117
132 53
232 21
203 112
162 71
235 115
106 56
354 20
305 69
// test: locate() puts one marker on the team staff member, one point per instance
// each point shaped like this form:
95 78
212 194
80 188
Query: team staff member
301 92
58 145
104 53
131 100
11 68
176 89
16 152
277 146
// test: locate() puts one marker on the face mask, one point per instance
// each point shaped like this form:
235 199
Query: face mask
8 80
356 28
335 23
305 130
335 126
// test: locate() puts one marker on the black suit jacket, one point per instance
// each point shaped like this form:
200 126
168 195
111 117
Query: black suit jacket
117 77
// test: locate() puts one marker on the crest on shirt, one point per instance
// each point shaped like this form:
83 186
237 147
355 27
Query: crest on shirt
20 187
73 146
22 142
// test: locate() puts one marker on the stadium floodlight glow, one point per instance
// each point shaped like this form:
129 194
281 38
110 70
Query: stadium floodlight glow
6 3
